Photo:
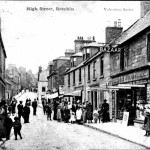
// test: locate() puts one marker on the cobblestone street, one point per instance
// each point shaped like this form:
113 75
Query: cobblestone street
41 134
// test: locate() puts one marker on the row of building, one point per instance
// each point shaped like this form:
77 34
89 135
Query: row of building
13 80
117 70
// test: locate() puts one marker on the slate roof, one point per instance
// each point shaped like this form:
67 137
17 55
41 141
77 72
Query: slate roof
134 29
77 54
63 57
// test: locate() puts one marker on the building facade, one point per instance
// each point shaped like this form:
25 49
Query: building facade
2 68
42 84
130 68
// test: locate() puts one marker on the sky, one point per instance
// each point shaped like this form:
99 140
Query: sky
33 37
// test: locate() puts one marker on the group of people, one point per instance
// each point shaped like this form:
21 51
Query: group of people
76 111
5 119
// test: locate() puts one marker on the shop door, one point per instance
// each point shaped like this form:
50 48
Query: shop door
92 102
95 98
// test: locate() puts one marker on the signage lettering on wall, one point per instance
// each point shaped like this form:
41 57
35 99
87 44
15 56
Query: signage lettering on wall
131 77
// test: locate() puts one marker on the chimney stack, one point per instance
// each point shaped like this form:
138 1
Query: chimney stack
145 7
113 32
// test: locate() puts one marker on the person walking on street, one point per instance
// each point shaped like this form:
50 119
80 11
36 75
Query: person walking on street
44 106
49 111
26 113
89 113
8 125
17 128
20 111
105 110
34 105
13 107
146 125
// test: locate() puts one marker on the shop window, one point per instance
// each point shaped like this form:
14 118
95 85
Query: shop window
43 89
74 78
122 60
101 66
88 72
80 80
69 79
140 103
94 69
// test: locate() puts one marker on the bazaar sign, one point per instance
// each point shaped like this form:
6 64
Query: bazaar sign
109 49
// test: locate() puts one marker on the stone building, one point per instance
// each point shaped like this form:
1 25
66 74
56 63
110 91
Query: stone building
131 69
42 84
80 42
57 69
14 74
2 66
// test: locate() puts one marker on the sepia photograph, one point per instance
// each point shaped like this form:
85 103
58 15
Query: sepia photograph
74 75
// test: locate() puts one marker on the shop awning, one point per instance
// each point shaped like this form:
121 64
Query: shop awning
77 93
51 96
68 94
131 85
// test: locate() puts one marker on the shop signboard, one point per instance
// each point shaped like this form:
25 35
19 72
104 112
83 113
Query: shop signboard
144 74
125 118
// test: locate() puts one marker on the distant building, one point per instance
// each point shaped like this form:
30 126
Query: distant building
42 84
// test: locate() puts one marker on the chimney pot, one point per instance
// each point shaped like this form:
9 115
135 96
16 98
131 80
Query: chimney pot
115 23
119 22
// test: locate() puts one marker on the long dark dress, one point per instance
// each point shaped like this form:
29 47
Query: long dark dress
105 112
66 114
26 114
89 112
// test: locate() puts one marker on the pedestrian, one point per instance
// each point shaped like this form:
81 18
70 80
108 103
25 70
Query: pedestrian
44 106
13 107
100 114
59 113
73 117
26 113
66 114
8 125
20 110
78 115
49 111
34 105
89 113
95 115
146 125
84 111
17 127
105 110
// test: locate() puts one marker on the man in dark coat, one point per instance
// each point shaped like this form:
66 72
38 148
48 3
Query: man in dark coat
8 125
26 113
105 111
20 110
34 105
89 113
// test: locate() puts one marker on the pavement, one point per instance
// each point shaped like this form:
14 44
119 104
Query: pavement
128 133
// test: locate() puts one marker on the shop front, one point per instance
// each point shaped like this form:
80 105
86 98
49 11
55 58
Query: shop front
134 99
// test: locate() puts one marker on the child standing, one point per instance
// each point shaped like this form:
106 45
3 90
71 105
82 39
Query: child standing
17 127
95 115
